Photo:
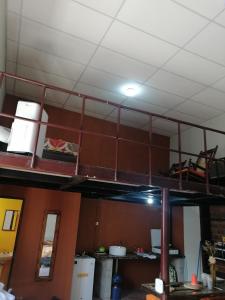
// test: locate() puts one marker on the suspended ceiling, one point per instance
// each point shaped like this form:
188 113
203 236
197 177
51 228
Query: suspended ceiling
174 50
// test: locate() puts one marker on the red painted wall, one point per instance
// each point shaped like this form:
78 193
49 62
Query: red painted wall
36 202
127 224
100 151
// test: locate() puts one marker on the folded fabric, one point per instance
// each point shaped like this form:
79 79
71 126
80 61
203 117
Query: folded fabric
60 145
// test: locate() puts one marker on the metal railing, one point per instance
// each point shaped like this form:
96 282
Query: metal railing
117 138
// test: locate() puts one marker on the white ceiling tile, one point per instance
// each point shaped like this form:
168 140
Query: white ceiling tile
212 98
121 65
107 7
221 18
207 8
25 96
175 84
90 106
161 131
157 97
196 109
49 63
220 84
103 80
10 68
13 26
68 16
72 108
184 117
52 103
95 115
142 105
53 42
74 103
166 125
56 97
48 78
195 68
162 18
14 5
134 118
139 45
11 50
99 93
96 107
28 90
210 43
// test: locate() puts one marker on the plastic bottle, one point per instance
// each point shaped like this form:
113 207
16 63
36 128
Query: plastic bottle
2 292
5 295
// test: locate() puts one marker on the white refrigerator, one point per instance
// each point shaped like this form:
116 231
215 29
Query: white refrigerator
23 133
83 278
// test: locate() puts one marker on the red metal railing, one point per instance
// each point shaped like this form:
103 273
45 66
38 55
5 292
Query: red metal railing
81 131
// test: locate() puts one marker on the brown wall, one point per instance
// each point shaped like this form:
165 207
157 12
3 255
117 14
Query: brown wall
36 202
100 151
127 224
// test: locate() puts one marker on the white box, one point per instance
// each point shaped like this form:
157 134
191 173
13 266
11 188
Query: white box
23 133
103 278
83 278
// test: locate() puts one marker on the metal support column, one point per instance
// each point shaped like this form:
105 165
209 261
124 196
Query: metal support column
179 154
117 144
164 264
206 162
150 151
80 136
42 100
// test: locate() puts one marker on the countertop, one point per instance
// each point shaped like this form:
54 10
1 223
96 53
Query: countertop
184 293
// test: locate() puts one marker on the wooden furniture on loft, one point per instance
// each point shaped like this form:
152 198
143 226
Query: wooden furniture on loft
195 171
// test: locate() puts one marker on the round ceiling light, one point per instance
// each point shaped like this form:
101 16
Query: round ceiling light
150 200
130 90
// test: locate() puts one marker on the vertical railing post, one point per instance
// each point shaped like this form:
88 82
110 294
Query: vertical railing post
80 136
1 78
117 144
206 162
164 263
150 152
32 163
179 154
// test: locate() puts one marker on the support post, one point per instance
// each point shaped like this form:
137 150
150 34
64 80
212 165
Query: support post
164 263
1 78
179 154
42 100
150 151
117 144
206 162
80 136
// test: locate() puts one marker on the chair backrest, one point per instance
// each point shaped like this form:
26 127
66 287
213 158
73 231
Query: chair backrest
208 155
176 167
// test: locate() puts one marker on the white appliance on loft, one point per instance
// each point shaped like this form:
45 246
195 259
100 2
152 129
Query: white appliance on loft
83 278
23 133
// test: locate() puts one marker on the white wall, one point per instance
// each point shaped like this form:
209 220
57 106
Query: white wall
192 238
192 139
2 45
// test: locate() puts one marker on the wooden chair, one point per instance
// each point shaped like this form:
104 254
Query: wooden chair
195 171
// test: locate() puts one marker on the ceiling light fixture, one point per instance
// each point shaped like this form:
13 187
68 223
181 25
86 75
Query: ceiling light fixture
130 90
150 200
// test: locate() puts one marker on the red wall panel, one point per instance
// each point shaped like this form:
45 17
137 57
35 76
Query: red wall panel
37 201
100 151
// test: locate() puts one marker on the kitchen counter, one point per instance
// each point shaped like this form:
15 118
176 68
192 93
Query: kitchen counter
182 293
131 256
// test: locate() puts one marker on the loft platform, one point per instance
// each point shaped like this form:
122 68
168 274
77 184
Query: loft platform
97 182
108 178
